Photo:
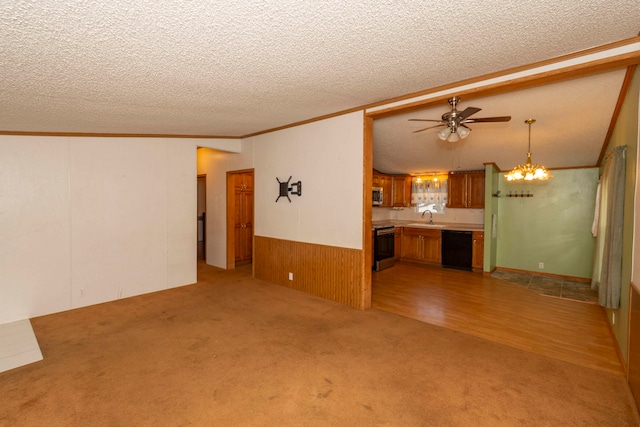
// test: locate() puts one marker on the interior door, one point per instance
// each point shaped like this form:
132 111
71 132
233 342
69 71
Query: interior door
239 218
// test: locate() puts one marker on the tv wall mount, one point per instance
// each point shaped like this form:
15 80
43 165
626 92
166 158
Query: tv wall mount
285 189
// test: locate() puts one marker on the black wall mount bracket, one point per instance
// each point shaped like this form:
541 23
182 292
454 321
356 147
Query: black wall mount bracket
285 189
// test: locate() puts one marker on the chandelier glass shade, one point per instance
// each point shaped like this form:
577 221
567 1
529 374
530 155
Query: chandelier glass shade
528 171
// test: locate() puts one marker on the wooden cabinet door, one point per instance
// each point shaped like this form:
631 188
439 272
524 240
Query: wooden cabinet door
421 245
375 180
432 246
477 260
401 191
386 184
475 190
411 246
397 243
466 190
457 189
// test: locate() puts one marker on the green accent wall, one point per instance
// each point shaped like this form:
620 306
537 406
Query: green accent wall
553 226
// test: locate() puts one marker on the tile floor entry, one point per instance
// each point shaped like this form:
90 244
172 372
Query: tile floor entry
552 286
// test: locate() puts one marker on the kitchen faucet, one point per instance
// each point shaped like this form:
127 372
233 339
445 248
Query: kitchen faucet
430 216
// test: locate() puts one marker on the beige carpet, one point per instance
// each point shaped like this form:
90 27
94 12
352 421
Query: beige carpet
233 351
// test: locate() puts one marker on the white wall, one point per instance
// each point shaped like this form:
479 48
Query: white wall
327 156
88 220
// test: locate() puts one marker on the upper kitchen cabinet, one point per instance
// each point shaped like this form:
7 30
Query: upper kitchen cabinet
384 181
466 190
401 191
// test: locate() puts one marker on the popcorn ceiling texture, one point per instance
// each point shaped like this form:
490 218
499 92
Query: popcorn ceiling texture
231 68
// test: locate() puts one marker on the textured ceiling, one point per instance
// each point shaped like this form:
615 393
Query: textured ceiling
572 119
232 68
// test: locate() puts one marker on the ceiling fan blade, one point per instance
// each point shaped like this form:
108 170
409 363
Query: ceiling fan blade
430 127
424 120
489 119
467 112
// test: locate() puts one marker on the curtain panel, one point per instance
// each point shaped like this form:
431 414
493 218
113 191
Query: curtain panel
607 266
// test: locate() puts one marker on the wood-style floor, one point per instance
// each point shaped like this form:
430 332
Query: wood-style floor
498 311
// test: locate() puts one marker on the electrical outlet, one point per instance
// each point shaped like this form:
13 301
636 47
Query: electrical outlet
81 292
541 265
290 276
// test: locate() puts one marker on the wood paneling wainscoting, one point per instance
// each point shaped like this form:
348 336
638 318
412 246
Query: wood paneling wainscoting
633 361
329 272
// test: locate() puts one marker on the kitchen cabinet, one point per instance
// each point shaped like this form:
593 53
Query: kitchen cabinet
466 190
397 243
401 191
383 181
421 244
243 220
477 260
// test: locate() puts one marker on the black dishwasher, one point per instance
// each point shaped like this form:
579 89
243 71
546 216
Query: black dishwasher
457 247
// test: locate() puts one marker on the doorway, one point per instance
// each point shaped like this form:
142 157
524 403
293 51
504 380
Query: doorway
202 217
239 217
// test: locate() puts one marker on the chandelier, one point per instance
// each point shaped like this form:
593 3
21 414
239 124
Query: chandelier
529 171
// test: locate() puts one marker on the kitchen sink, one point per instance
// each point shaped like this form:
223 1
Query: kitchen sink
425 225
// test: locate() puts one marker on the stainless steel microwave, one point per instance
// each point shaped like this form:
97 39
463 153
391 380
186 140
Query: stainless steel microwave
377 196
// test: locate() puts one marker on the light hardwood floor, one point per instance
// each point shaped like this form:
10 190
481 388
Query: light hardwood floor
498 311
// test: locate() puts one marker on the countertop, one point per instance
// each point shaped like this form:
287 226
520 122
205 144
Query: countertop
426 225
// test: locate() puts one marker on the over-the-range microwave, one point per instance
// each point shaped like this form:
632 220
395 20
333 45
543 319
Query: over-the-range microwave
377 196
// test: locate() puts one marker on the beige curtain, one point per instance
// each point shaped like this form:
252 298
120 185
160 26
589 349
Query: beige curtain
607 266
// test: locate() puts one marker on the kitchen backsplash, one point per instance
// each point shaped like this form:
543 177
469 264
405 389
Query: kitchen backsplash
463 216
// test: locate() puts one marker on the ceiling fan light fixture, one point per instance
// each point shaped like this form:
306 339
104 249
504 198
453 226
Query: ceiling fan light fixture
463 132
453 137
528 171
444 133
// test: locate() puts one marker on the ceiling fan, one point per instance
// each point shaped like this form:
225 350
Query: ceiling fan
456 121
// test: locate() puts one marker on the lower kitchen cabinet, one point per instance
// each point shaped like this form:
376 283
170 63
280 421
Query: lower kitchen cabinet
477 260
397 243
421 244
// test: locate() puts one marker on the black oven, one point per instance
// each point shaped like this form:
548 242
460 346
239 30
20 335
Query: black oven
383 248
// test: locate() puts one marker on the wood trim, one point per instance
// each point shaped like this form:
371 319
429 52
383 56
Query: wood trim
510 85
367 211
231 242
594 67
513 70
633 357
616 112
304 122
113 135
329 272
539 273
